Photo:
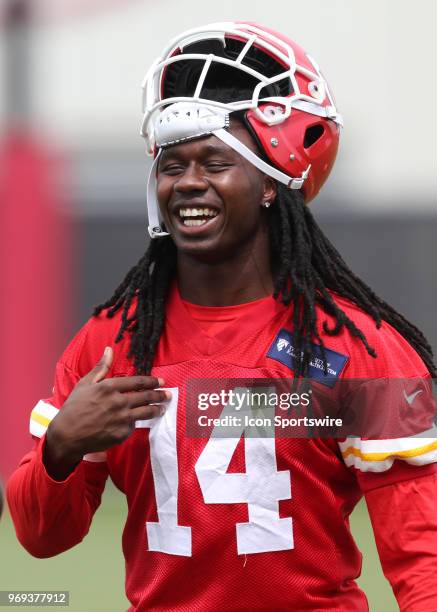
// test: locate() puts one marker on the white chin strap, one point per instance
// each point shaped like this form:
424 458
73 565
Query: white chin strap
187 120
155 227
237 145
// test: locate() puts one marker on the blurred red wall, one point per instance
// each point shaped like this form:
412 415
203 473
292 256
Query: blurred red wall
36 285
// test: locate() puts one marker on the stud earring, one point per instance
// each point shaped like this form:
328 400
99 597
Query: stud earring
266 204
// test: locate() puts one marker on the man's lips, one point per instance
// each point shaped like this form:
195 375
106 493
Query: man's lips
196 217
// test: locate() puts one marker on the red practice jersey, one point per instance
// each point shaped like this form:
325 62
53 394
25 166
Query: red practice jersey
238 523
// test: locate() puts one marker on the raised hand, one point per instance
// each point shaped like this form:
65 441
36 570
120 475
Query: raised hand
99 413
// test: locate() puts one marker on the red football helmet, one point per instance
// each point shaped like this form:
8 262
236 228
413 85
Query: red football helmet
285 100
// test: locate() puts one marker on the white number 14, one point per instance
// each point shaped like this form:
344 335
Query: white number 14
260 487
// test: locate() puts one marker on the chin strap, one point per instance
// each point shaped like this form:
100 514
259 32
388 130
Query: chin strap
155 229
239 147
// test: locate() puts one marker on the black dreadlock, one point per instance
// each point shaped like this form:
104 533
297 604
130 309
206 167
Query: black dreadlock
306 268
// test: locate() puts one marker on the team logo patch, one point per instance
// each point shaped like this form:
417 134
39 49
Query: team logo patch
282 349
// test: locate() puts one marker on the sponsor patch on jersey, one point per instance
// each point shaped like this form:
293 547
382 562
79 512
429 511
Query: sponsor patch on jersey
283 350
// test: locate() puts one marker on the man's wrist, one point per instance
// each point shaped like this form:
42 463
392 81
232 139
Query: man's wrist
59 460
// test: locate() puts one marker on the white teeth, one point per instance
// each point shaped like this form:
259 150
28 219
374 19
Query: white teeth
191 222
187 215
197 212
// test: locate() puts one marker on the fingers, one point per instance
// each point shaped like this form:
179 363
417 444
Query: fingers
142 398
124 384
156 400
104 365
144 413
101 369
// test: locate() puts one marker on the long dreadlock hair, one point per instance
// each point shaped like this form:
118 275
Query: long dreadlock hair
307 269
305 265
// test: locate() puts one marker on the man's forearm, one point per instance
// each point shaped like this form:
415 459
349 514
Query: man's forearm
404 519
51 516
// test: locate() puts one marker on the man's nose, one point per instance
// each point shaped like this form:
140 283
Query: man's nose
192 179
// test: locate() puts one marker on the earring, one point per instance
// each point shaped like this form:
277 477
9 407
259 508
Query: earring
266 204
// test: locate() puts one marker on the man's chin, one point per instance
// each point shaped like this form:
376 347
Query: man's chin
211 250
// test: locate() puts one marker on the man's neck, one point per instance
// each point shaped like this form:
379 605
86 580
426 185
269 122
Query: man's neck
242 278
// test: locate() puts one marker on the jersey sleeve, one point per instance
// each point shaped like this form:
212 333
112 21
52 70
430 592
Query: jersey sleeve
51 516
395 408
393 456
404 521
395 422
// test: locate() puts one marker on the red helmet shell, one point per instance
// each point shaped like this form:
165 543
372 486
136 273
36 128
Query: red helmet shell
289 145
284 145
303 143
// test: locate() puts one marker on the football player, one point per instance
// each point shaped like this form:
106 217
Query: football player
238 282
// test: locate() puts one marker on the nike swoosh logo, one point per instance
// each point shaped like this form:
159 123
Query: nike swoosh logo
410 398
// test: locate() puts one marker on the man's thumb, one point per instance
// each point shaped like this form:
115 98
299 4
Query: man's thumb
103 366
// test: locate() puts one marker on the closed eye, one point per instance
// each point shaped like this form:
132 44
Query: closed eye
171 169
217 166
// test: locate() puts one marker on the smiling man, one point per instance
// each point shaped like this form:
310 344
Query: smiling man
238 282
213 203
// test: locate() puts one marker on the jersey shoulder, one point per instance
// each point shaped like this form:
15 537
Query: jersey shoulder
395 357
87 346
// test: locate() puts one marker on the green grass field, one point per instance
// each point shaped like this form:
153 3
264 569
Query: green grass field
93 572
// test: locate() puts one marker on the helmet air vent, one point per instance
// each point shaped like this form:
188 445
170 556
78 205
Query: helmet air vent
312 135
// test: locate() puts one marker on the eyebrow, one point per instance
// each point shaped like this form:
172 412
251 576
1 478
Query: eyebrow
209 149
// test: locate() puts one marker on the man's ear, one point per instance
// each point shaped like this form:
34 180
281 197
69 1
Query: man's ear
270 189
